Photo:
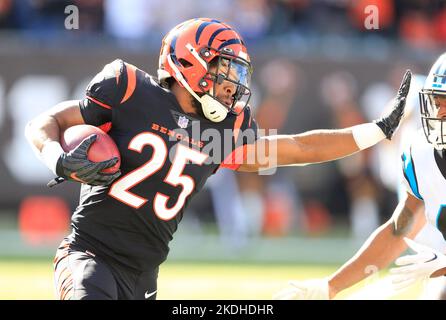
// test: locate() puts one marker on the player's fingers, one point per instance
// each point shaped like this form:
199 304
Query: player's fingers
112 176
404 270
402 102
87 142
106 164
298 285
91 169
407 260
75 160
405 83
87 169
107 178
416 259
281 295
81 151
403 283
401 277
286 294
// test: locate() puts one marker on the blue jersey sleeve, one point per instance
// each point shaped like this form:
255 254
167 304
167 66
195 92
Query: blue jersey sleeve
409 173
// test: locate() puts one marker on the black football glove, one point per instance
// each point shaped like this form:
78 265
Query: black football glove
74 165
389 123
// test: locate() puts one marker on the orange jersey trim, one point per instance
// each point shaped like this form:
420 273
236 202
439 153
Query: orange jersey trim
106 106
106 127
131 82
235 159
237 125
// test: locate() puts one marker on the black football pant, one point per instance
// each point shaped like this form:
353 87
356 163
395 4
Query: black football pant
81 275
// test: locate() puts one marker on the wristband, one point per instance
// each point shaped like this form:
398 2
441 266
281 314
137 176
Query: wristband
50 154
367 135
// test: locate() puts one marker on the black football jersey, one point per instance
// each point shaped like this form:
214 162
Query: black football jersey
166 158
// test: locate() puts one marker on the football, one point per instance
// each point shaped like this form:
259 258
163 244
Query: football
104 148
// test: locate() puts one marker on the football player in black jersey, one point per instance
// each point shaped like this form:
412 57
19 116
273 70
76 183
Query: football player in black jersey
172 133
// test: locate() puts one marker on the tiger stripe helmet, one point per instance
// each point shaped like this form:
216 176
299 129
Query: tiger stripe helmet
186 54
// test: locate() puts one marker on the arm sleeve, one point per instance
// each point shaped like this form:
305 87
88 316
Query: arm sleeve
245 133
410 178
103 94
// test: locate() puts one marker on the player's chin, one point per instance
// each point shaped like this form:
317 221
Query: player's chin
196 105
226 101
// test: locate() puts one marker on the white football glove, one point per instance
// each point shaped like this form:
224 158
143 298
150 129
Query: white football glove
314 289
419 266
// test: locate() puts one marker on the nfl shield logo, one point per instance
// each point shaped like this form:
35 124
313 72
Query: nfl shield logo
183 122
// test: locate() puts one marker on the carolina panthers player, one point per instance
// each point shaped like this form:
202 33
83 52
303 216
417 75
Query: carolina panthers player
123 224
424 170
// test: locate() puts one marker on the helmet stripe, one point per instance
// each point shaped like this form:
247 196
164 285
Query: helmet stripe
173 42
172 49
172 45
441 65
201 28
216 33
229 42
443 70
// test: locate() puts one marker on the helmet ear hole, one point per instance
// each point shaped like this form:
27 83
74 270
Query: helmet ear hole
185 63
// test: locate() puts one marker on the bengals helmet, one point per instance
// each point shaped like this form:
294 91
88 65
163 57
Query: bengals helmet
200 53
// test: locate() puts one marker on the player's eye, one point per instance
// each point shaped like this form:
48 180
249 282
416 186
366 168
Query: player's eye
440 99
434 102
224 65
224 62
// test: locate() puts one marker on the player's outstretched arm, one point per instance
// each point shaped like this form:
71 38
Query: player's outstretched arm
383 246
43 135
325 145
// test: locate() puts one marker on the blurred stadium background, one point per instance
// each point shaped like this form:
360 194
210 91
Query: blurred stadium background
316 65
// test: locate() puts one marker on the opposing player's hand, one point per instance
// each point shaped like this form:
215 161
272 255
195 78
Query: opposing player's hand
314 289
389 123
420 266
74 165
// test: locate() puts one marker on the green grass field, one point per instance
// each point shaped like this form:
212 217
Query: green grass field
29 279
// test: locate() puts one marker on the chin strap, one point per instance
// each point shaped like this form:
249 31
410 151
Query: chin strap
212 109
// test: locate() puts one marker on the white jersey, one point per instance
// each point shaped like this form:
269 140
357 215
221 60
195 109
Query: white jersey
424 180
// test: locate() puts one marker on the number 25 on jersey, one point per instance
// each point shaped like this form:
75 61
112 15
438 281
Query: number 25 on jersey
120 189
